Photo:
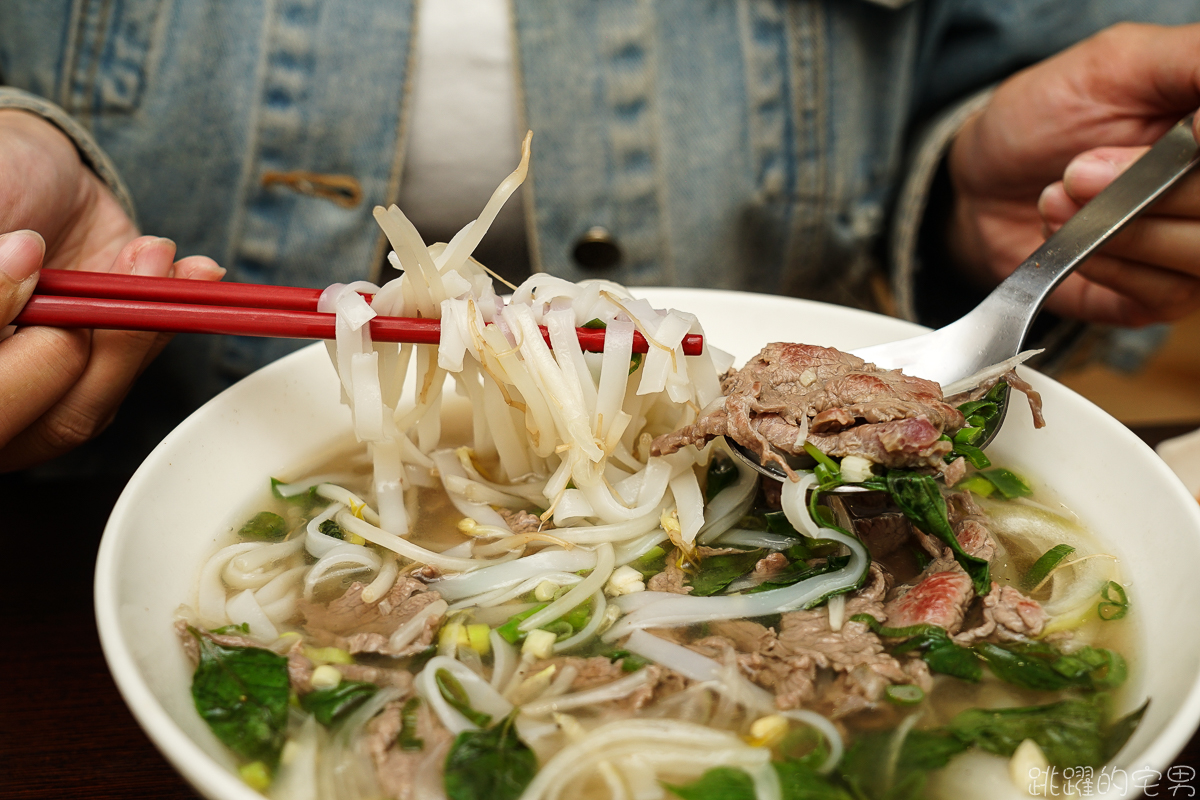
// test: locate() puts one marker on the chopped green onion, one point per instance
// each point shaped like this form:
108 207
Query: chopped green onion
457 697
822 459
1114 603
1010 484
596 323
974 456
407 738
968 435
977 484
1045 565
509 630
904 694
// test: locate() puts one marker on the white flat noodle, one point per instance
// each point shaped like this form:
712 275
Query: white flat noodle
988 373
573 506
689 502
353 307
389 487
614 373
243 609
455 284
368 398
456 587
452 345
447 465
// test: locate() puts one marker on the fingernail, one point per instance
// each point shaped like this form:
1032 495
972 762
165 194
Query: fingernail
21 254
160 263
1089 171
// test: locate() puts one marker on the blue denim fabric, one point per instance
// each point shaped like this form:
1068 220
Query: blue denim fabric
742 145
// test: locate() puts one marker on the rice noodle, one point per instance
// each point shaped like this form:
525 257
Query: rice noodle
666 745
675 610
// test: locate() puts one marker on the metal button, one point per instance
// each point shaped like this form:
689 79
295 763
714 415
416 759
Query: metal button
596 249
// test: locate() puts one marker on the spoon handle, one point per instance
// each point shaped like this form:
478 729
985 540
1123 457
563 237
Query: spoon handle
1026 289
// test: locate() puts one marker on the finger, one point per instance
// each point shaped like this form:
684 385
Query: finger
38 366
116 358
196 268
1056 206
1091 171
1171 243
1168 293
199 268
1114 291
21 254
1080 298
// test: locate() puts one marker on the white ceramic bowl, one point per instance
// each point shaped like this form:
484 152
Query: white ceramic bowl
193 486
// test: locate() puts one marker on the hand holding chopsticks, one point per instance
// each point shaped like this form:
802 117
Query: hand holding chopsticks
123 302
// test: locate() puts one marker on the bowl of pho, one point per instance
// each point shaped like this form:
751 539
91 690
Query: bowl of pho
503 567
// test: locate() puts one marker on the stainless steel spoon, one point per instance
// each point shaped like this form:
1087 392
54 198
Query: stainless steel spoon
996 328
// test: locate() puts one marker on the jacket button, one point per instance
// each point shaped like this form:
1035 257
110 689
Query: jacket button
596 249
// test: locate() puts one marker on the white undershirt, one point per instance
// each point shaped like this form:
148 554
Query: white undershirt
463 137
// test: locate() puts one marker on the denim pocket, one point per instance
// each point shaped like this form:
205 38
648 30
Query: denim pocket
111 49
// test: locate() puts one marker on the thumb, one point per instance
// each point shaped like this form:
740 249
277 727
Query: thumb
21 255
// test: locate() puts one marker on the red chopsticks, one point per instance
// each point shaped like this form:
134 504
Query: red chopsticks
69 299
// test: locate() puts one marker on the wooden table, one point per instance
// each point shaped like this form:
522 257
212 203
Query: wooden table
64 730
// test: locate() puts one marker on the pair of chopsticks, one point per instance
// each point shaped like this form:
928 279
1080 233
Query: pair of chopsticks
69 299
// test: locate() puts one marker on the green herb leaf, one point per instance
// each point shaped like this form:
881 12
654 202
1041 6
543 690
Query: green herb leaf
798 781
306 498
242 628
721 783
801 572
1045 565
407 738
864 765
938 651
265 525
1023 669
722 473
331 528
1121 730
489 765
716 572
635 361
457 697
652 563
1068 732
334 704
242 693
920 498
596 323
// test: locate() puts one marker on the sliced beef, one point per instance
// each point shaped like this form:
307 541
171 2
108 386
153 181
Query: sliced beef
523 521
884 534
790 393
789 663
360 627
970 526
939 596
395 768
671 579
1008 616
769 566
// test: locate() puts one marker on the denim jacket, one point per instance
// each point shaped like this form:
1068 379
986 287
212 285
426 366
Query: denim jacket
737 144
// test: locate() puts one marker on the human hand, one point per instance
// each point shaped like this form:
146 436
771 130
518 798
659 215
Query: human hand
1056 134
60 387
